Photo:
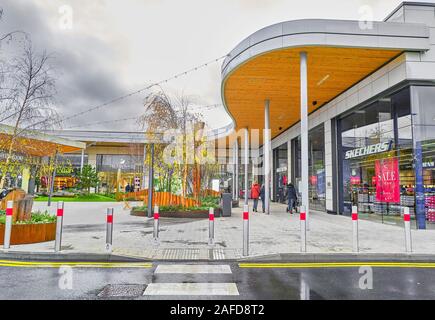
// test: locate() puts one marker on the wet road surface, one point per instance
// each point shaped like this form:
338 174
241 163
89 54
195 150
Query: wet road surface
223 280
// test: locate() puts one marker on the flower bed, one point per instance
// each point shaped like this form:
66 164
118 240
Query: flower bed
177 212
41 228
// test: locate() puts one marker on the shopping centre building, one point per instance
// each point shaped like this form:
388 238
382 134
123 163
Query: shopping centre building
118 157
369 91
349 108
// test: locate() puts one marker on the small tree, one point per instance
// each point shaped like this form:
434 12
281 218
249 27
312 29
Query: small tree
27 100
88 178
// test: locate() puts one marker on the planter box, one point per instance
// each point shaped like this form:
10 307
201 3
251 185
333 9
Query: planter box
200 214
30 233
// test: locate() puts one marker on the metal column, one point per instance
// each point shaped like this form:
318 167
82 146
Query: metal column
304 135
53 177
233 170
246 164
150 182
144 170
266 154
237 169
82 160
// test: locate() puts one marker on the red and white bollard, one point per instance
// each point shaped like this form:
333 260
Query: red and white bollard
302 219
211 226
109 229
355 245
245 230
59 224
156 224
8 225
407 222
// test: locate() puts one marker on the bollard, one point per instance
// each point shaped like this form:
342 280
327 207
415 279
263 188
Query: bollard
302 218
109 229
355 245
156 224
8 225
59 224
211 227
407 221
245 230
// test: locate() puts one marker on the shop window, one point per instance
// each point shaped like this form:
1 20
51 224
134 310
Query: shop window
280 156
316 167
423 119
376 158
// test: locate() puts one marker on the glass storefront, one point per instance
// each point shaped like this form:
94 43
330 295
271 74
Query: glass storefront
280 179
316 167
117 170
423 111
383 167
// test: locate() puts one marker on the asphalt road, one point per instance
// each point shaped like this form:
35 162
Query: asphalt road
294 281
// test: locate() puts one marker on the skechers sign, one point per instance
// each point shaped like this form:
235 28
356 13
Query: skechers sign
372 149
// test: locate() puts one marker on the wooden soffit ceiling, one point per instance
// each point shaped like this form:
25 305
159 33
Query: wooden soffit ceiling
34 147
276 76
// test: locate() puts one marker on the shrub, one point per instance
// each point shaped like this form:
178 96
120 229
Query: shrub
210 201
37 217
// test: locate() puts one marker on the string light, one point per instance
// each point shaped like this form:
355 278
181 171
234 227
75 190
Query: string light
101 122
137 91
207 107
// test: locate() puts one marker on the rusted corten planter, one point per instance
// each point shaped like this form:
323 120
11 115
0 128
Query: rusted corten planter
30 233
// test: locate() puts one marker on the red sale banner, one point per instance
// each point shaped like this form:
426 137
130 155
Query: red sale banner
355 180
387 180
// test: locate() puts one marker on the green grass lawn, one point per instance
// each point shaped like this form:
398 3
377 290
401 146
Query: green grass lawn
82 198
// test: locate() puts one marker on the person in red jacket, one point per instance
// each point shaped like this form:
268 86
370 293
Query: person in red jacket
255 194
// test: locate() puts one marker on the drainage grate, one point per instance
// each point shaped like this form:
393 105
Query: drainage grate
181 254
122 290
217 254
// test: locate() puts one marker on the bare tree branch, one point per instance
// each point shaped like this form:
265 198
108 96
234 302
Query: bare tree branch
28 101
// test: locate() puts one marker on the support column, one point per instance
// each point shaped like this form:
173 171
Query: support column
233 182
266 156
53 177
151 182
144 170
237 170
304 134
82 160
246 165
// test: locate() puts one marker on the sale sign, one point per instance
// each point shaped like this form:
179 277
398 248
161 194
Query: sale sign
355 180
387 180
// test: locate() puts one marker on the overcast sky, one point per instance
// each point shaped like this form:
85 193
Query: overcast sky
115 47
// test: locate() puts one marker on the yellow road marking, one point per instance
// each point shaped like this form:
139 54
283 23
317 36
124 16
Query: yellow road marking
43 264
295 265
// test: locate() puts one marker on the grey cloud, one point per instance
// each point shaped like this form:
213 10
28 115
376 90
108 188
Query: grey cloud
80 61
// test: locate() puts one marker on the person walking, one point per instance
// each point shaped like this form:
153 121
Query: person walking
262 196
292 197
255 194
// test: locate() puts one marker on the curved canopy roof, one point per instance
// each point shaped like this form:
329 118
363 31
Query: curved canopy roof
340 54
38 144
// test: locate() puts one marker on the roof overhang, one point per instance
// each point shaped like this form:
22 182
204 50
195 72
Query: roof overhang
340 54
35 143
122 137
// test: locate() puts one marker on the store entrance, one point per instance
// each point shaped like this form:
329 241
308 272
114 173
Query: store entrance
280 170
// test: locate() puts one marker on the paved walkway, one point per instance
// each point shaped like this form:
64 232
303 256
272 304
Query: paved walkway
84 232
